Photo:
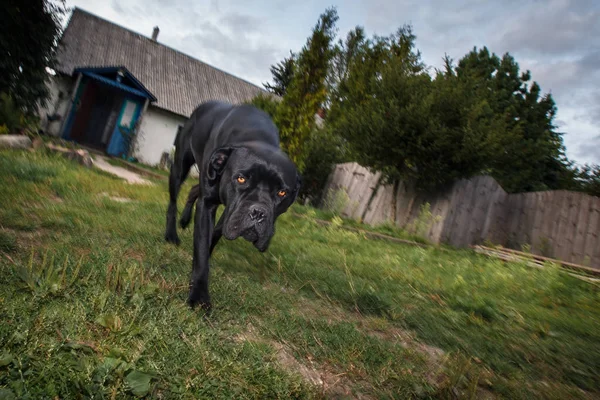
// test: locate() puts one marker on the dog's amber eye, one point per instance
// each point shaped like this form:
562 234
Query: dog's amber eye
241 179
281 193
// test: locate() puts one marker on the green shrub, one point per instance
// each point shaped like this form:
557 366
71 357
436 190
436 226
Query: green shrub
424 221
14 120
336 201
267 103
324 150
10 115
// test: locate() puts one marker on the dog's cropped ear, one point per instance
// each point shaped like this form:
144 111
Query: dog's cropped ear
297 188
217 163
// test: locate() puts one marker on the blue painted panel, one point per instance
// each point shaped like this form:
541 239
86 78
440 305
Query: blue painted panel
137 88
118 145
116 84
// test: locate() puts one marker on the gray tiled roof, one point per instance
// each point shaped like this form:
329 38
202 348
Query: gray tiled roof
179 81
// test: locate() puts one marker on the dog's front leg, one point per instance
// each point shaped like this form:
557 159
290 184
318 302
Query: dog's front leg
203 230
217 233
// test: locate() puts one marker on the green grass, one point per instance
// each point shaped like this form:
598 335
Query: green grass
385 229
92 304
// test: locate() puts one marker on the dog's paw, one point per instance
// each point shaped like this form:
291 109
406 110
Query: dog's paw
203 304
199 299
172 238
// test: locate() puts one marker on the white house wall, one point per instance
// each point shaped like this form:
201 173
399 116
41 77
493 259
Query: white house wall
61 88
157 134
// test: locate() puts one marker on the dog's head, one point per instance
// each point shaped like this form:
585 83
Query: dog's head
256 183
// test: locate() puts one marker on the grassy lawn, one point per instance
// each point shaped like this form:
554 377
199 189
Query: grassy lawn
92 305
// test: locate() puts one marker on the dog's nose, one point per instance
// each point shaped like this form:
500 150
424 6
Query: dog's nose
257 214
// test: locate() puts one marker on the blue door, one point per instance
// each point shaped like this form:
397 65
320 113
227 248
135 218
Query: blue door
124 128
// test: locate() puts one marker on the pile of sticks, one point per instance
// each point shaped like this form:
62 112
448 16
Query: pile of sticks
534 260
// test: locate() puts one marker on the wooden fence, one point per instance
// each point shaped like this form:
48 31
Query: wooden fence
558 224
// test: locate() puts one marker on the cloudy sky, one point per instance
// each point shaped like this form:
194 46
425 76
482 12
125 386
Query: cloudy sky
557 40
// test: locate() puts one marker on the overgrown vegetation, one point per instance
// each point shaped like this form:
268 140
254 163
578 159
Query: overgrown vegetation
14 120
305 93
588 179
28 42
424 221
387 110
93 305
335 201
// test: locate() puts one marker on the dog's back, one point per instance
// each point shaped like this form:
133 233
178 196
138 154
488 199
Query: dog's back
216 124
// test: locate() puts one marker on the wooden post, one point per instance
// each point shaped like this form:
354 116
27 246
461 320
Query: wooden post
138 127
141 117
68 113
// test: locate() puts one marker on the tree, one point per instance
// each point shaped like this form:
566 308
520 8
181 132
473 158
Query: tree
418 129
324 150
588 178
400 121
531 154
28 41
306 92
266 103
482 116
283 73
343 55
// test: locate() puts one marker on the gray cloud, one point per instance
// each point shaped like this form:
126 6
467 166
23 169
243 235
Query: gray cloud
215 44
591 61
239 23
563 76
116 5
593 105
590 150
555 27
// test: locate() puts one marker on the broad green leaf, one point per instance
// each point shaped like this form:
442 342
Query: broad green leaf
138 383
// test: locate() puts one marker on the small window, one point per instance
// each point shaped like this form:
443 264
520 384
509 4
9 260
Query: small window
127 117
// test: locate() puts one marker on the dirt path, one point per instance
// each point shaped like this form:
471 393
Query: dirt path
130 177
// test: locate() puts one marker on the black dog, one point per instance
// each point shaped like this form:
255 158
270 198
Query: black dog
241 166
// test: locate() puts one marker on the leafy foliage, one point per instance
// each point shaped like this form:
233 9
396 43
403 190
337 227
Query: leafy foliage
9 114
344 53
588 179
531 154
386 110
266 103
282 72
482 116
28 41
399 120
307 91
13 119
324 149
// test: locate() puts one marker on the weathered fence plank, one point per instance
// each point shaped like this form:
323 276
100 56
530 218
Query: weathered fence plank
592 244
583 219
560 224
538 219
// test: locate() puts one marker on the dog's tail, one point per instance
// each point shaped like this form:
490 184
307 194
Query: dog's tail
174 146
186 215
179 129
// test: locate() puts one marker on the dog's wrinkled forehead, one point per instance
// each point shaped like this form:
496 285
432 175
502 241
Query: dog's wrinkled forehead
270 166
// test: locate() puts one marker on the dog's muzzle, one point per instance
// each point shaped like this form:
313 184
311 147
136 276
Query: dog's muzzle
255 224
